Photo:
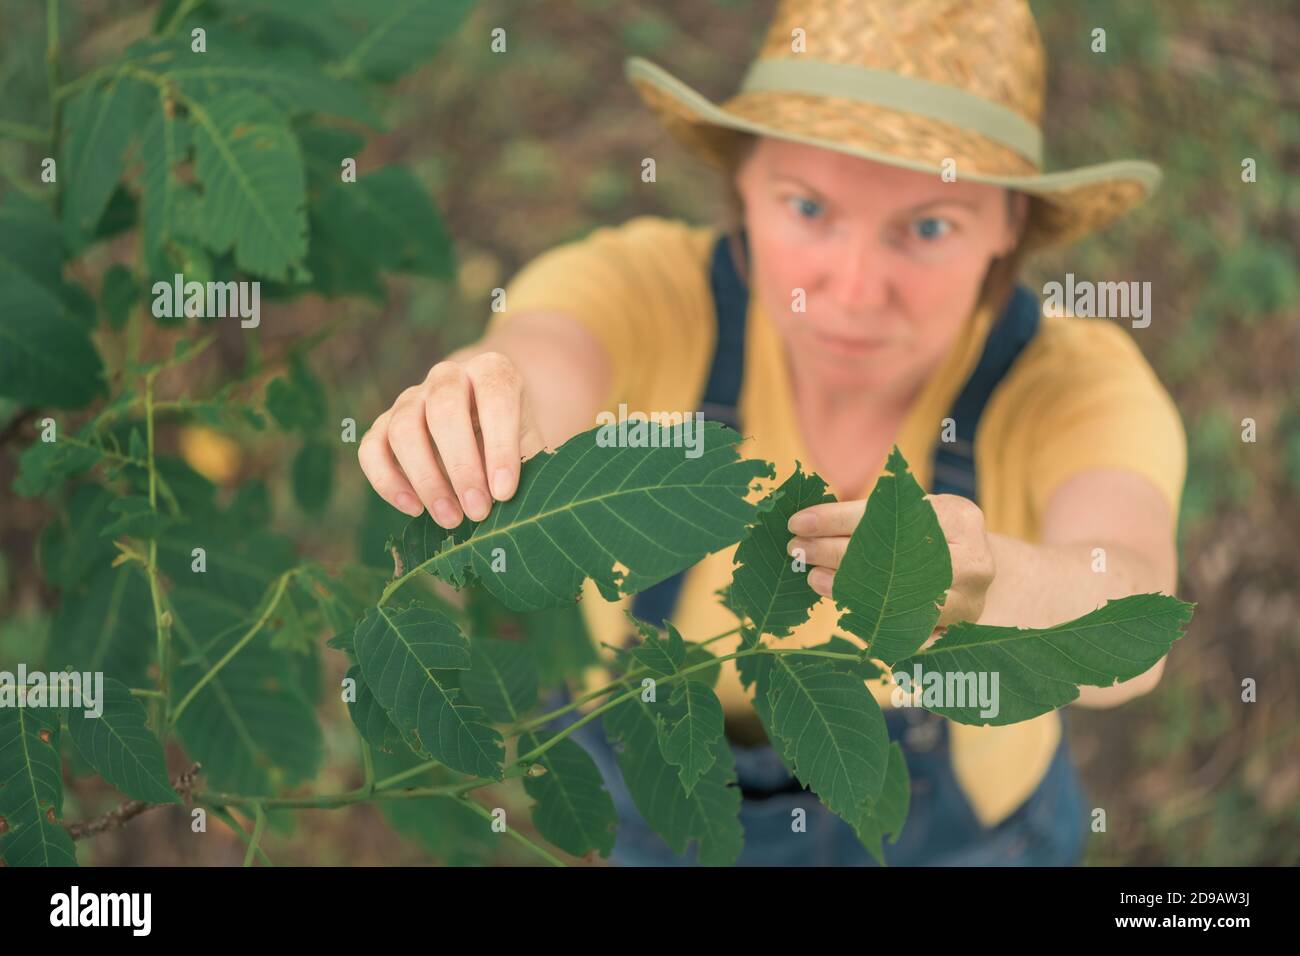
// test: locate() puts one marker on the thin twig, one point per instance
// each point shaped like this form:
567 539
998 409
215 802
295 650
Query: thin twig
118 816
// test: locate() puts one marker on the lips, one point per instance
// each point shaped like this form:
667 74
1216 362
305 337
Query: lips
843 345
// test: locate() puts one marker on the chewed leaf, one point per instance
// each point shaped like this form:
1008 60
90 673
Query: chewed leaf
626 517
768 586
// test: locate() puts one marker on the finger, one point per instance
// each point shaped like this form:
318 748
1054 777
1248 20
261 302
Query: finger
957 606
498 395
530 436
821 580
447 410
824 552
831 518
382 471
408 436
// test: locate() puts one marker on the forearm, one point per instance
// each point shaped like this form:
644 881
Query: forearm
1039 585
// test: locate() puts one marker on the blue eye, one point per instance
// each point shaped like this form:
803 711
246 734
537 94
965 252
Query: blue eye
931 227
806 208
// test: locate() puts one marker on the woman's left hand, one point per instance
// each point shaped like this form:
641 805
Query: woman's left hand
822 533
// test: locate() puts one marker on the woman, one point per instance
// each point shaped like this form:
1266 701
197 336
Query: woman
886 165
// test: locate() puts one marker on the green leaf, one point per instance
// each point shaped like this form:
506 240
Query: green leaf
313 476
403 229
889 813
401 653
120 746
586 508
250 726
690 728
765 586
118 293
1039 670
573 810
254 194
289 79
44 466
46 355
105 624
297 401
70 547
31 788
709 814
896 568
558 637
502 678
828 729
170 205
98 124
449 829
398 34
136 518
661 657
368 715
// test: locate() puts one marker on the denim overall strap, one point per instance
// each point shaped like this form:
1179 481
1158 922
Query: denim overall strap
954 462
721 393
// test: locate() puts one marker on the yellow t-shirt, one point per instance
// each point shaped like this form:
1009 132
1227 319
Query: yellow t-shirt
1080 396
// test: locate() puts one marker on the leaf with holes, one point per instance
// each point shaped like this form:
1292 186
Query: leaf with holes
590 509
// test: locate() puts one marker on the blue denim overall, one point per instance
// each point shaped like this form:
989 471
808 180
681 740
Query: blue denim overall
1048 829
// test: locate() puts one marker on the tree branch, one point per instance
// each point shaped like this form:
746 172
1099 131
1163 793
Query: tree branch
119 816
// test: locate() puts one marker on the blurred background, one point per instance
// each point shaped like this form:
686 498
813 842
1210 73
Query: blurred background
542 144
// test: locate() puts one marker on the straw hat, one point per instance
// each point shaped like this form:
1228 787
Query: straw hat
911 83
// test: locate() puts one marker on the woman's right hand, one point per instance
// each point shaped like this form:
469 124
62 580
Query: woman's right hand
454 442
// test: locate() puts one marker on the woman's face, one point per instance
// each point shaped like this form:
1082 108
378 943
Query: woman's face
889 262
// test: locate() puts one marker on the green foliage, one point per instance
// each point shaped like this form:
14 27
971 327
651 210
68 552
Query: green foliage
228 165
121 748
31 789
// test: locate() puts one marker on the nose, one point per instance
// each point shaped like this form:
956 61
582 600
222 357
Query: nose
860 275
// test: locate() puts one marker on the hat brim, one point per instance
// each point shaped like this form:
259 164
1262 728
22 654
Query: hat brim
1072 202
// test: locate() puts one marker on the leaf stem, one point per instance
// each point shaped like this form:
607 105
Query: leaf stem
254 843
25 131
182 11
277 592
600 692
535 847
52 71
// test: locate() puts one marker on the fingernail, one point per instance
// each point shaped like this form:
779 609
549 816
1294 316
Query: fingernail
502 484
406 502
446 513
476 504
795 544
801 522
